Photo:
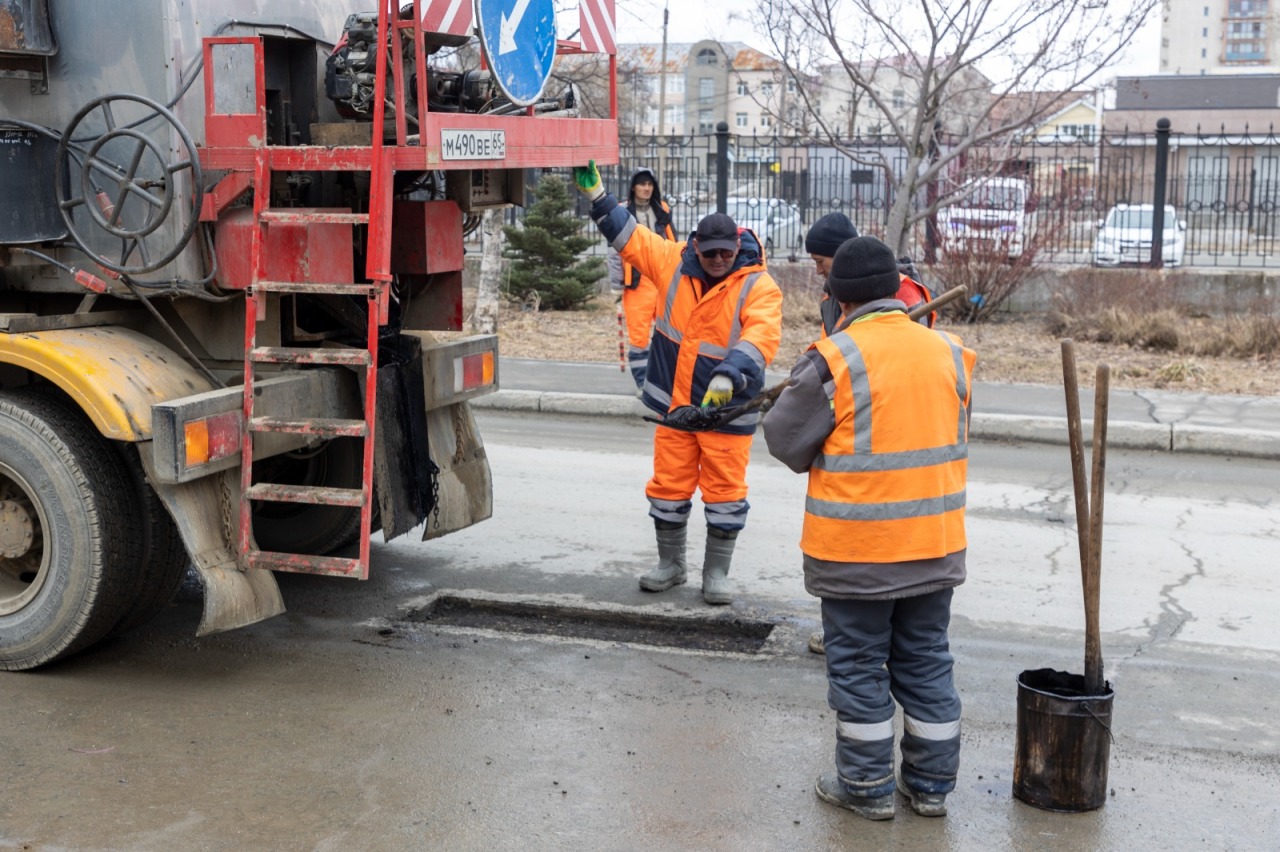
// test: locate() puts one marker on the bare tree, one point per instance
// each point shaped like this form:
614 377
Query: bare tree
918 68
589 74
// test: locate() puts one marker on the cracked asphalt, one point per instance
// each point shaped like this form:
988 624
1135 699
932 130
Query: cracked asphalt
346 724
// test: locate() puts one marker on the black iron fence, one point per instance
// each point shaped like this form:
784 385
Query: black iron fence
1223 190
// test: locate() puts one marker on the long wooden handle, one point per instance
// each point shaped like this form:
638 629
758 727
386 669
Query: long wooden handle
945 299
1093 672
1075 438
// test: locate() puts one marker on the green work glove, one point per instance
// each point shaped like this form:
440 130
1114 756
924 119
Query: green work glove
588 180
719 392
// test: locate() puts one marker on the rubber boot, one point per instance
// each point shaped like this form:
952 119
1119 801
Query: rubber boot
715 566
671 565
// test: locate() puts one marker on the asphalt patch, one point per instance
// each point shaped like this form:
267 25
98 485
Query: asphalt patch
718 632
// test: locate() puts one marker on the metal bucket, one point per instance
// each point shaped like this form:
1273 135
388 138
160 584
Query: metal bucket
1063 742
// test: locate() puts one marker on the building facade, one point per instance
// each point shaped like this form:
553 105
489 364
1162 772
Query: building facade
1203 37
706 82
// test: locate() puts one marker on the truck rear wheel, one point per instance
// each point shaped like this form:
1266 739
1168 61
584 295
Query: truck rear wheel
301 527
162 557
67 528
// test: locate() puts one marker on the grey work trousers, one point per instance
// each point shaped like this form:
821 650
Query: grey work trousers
878 651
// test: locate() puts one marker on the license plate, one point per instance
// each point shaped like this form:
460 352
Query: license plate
473 144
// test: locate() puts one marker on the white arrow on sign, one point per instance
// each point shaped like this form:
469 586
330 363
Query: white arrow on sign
508 27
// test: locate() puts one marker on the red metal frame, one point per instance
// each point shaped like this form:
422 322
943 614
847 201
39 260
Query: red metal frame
237 142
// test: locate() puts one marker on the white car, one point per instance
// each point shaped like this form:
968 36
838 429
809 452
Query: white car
1125 236
774 221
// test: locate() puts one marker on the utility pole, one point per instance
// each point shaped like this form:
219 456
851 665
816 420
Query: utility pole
662 96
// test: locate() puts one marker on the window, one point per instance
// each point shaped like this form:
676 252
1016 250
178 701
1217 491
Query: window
706 89
766 90
791 86
706 121
673 115
651 116
1205 32
766 120
1245 40
899 99
1204 54
675 84
707 56
740 119
743 88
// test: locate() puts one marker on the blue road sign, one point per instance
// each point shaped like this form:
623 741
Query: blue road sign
519 39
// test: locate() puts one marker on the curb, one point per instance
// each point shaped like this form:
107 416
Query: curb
1125 434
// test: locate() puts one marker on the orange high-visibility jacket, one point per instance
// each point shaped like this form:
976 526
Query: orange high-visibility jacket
640 296
632 277
889 482
733 328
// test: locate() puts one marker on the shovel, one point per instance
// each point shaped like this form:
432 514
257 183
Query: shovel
1088 503
1064 720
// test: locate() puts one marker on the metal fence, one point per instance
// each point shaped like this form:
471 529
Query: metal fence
1224 188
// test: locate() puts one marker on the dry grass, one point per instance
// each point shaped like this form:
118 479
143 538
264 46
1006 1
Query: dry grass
1162 349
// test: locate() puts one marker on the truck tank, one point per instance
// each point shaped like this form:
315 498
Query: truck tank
231 254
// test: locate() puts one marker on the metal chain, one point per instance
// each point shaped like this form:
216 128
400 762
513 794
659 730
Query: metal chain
435 493
224 498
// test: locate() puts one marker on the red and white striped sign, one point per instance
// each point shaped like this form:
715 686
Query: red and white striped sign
453 17
595 23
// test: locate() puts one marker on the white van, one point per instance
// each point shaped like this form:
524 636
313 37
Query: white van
994 213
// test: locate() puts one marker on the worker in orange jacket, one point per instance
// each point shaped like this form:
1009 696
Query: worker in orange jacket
821 242
718 325
877 414
639 294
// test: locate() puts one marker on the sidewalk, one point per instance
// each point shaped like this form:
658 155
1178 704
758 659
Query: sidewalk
1138 419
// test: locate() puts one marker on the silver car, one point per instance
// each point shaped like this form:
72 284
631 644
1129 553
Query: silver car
774 221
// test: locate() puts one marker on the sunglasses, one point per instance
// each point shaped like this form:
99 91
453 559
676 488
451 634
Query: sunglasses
723 254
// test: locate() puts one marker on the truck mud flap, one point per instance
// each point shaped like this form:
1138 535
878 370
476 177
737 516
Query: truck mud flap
403 471
464 486
429 460
206 512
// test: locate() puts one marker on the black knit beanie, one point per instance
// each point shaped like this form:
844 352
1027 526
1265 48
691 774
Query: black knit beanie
863 269
828 233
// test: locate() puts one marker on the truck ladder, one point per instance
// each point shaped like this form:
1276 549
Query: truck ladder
376 291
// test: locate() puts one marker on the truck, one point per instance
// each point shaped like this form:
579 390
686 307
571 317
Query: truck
991 215
231 310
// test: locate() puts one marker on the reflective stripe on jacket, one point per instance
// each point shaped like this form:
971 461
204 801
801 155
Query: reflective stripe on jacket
733 328
888 484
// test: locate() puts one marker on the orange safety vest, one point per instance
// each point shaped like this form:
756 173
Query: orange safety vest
889 483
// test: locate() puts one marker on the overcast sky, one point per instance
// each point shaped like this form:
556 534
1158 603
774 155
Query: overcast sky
693 20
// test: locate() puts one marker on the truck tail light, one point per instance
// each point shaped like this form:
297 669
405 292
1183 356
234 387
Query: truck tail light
472 371
212 438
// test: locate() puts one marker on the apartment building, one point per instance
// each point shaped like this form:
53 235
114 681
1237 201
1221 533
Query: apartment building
1202 37
706 82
